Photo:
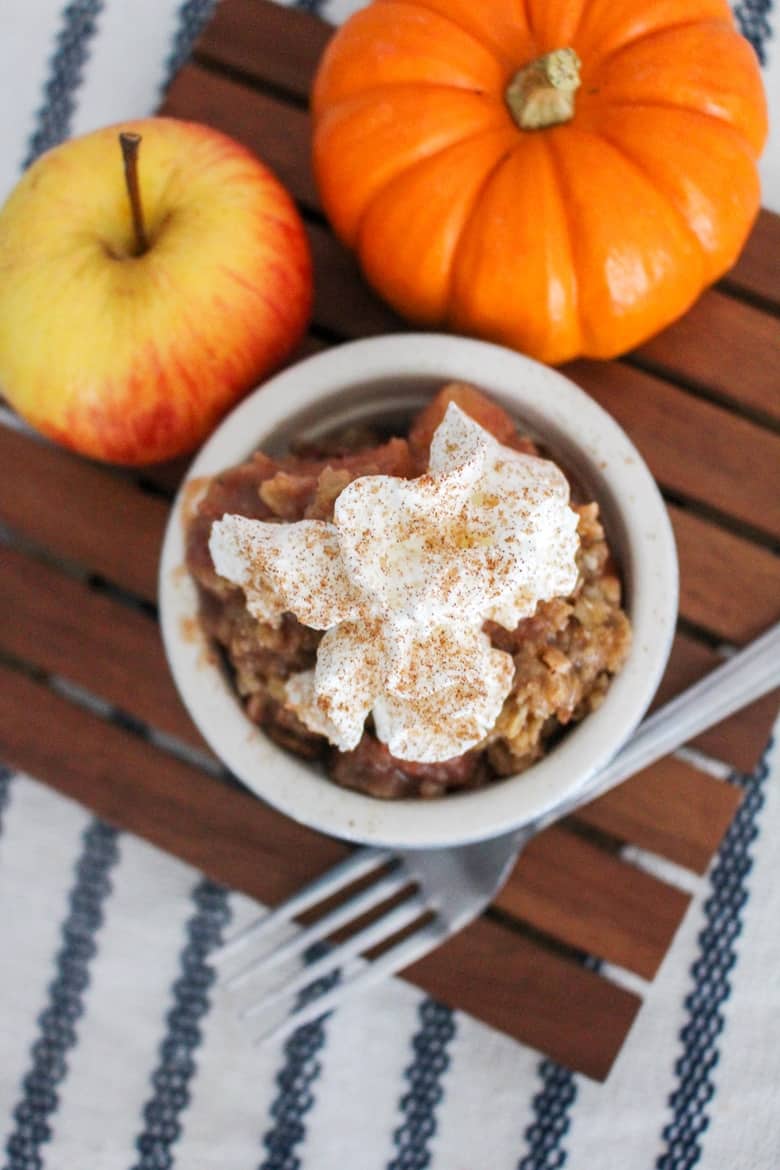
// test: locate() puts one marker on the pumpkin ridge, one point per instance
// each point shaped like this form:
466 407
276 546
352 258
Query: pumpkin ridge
549 146
376 91
655 184
571 36
713 262
488 45
690 111
406 171
658 105
415 4
488 178
526 7
595 58
670 314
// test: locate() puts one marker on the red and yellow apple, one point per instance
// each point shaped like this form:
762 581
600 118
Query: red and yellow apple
135 311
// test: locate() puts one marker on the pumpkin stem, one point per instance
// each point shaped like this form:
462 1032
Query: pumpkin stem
542 92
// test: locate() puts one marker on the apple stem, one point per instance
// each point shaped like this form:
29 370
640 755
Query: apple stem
130 144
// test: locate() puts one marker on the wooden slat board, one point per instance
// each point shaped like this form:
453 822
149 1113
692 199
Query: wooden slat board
78 584
728 465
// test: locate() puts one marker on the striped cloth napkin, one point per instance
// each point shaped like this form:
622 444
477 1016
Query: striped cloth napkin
116 1055
114 1052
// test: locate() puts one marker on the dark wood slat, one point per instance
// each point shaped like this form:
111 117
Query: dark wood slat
275 45
532 993
727 584
725 346
581 1024
757 272
692 447
81 512
647 812
228 834
63 627
343 302
740 740
572 889
280 134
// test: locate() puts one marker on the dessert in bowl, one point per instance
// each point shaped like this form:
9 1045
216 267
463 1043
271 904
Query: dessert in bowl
429 614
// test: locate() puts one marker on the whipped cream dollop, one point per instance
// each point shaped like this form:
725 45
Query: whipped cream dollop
402 582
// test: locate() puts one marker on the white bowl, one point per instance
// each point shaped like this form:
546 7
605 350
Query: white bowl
396 374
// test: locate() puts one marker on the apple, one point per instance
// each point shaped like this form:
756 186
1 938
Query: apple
135 310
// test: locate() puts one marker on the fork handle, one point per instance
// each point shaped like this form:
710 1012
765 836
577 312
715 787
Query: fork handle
741 680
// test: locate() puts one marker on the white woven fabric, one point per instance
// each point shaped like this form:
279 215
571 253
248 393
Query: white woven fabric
116 1053
113 1054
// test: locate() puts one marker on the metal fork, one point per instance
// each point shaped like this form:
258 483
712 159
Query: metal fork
445 889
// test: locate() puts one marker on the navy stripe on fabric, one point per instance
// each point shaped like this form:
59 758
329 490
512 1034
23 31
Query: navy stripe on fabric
711 981
314 6
53 119
192 18
552 1118
552 1105
424 1076
5 790
296 1078
176 1067
753 19
57 1023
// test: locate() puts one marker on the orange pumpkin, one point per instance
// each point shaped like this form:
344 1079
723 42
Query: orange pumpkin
562 176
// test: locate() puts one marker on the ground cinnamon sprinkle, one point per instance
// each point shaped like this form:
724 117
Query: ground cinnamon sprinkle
564 655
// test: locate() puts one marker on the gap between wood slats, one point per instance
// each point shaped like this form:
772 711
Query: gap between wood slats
756 275
739 740
722 578
693 447
719 345
670 809
571 889
62 627
266 42
532 994
65 628
81 512
475 972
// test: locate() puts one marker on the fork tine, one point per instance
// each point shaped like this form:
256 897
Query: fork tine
378 892
360 863
370 936
397 957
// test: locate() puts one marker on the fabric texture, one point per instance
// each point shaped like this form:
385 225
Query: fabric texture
115 1052
118 1053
